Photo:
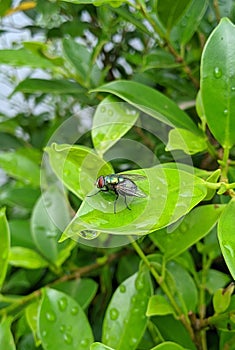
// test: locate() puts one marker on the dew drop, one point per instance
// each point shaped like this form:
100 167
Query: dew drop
62 328
4 254
50 316
51 233
139 284
183 227
110 112
136 310
217 72
122 288
68 338
133 341
114 313
233 88
85 343
44 333
225 112
103 109
89 234
63 303
74 310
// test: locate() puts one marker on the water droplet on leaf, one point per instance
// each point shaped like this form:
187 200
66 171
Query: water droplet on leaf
67 338
89 234
122 288
114 313
50 316
217 72
74 310
63 303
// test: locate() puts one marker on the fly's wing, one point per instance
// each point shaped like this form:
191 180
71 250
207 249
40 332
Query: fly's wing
133 177
129 188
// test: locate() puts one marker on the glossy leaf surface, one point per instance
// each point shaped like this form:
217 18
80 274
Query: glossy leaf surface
125 320
151 102
194 226
186 141
4 246
111 121
77 166
171 194
62 322
218 82
226 236
6 337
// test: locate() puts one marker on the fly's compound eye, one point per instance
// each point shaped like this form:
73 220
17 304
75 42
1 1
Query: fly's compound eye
100 182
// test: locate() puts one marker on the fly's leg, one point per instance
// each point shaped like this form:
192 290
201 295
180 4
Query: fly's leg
102 190
115 202
126 203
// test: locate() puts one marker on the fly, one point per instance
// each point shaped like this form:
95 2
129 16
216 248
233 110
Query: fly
121 185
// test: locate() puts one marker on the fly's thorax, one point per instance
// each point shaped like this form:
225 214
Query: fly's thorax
112 179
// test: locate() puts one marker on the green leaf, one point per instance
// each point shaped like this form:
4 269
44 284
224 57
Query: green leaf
79 57
77 167
20 167
158 305
159 58
51 86
186 141
6 337
222 298
168 345
100 346
151 102
218 82
195 225
111 121
186 293
31 313
62 323
226 228
125 319
183 31
172 330
169 11
25 57
82 290
26 258
172 194
215 279
50 213
4 246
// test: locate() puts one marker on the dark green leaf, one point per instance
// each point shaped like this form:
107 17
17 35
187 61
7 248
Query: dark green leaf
82 290
170 11
49 86
218 82
151 102
189 22
125 320
195 225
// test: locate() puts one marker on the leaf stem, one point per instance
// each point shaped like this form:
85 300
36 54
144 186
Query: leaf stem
164 288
